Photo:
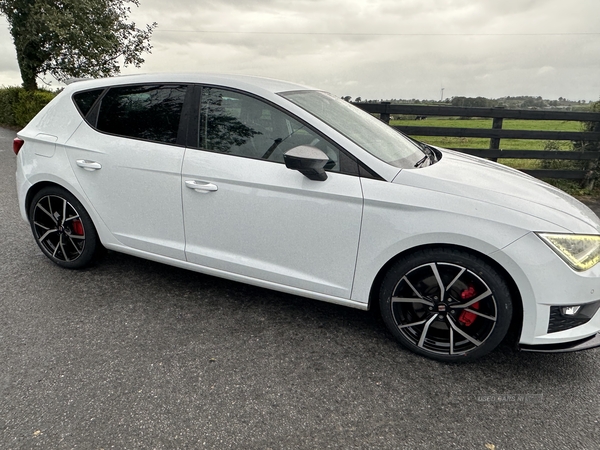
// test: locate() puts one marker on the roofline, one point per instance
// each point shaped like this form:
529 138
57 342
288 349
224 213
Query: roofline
230 80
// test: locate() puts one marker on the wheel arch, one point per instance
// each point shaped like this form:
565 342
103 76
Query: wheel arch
33 190
38 186
517 319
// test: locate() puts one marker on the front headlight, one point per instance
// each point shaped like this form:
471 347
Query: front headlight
580 251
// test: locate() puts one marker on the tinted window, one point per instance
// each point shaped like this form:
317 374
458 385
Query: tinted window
241 125
144 112
85 100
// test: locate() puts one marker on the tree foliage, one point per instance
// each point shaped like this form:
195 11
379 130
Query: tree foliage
480 102
74 38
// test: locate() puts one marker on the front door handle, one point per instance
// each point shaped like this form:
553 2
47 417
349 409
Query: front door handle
201 186
89 165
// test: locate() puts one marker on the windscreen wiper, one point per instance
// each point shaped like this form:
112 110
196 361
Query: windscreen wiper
422 161
429 152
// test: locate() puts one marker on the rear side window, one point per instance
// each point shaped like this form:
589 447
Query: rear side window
85 100
144 112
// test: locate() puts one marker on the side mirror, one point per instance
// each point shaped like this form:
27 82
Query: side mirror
310 161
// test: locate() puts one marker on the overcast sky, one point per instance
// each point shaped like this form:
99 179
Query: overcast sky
378 49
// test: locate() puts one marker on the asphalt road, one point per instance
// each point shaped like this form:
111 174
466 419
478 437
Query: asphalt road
133 354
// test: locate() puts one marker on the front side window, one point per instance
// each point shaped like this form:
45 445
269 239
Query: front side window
144 112
241 125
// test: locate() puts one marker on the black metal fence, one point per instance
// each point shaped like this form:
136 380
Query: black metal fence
497 133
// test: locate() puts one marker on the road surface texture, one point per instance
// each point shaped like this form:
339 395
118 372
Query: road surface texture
133 354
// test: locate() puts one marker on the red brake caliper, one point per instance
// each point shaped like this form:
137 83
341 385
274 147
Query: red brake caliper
77 227
467 318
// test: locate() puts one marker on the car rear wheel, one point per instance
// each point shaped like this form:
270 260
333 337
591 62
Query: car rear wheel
63 229
446 304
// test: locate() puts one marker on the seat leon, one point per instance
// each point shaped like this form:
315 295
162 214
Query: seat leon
290 188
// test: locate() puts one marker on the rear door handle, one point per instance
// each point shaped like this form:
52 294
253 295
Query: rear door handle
201 186
89 165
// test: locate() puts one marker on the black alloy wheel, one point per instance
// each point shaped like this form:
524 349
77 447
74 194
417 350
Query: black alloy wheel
446 304
63 229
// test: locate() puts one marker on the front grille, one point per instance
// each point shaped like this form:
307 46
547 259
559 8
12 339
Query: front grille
558 322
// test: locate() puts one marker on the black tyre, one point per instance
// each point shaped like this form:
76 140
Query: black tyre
446 304
63 229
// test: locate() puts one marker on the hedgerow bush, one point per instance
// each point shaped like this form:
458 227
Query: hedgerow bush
18 106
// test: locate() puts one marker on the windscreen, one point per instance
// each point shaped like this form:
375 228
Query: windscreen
362 128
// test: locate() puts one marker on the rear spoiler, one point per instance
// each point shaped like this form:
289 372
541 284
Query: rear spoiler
75 80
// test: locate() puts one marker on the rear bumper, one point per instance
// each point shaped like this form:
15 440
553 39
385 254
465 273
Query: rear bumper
564 347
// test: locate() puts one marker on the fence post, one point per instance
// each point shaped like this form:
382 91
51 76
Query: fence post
591 174
385 116
496 125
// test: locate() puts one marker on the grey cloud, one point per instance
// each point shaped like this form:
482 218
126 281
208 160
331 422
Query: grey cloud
384 48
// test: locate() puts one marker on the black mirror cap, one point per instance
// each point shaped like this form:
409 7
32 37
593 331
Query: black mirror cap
309 161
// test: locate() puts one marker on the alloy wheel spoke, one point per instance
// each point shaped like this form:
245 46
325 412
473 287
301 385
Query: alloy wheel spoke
436 274
414 324
480 297
37 224
74 245
451 340
412 287
64 213
425 330
41 208
477 313
462 333
62 247
456 278
47 233
56 250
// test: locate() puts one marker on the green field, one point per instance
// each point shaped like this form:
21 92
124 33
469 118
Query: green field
505 144
508 144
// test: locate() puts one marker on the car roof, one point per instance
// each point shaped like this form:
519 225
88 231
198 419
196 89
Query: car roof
245 82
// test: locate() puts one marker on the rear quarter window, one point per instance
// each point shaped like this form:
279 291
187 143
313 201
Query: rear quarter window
86 99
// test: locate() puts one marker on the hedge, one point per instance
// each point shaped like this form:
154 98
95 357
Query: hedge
18 106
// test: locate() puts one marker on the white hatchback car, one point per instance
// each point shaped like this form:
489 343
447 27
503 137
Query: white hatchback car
290 188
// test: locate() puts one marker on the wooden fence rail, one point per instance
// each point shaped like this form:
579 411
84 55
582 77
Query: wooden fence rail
497 133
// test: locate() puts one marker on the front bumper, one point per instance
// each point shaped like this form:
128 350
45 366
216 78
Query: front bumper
546 283
583 344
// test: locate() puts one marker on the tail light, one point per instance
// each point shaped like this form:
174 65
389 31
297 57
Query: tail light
17 144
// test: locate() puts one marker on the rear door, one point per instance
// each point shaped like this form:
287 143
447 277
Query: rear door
128 160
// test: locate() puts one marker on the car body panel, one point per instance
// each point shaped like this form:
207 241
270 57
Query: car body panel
135 178
269 222
477 179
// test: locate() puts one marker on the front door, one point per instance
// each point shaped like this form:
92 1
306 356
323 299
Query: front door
247 214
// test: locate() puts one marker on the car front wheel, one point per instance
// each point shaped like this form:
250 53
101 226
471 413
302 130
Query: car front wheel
446 304
63 229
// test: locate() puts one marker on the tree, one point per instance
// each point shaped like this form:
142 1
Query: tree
74 38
